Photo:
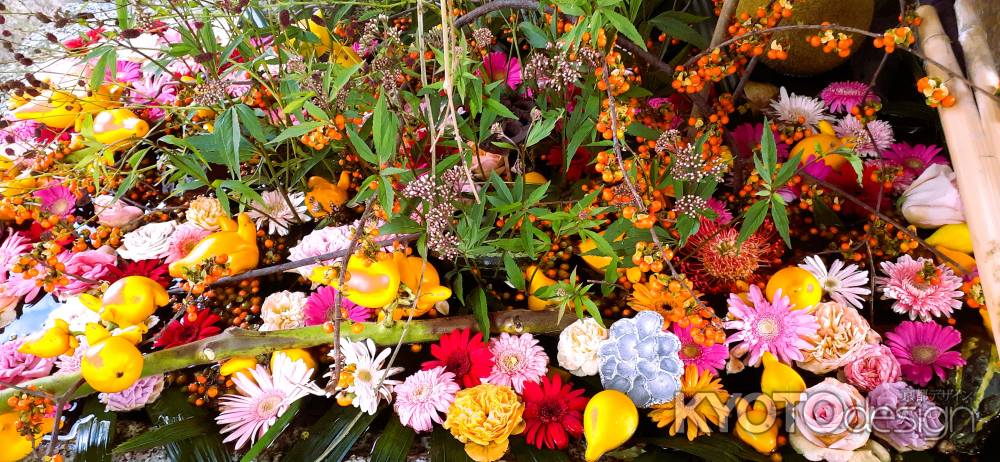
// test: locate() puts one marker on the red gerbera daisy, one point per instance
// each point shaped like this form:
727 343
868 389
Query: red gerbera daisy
186 331
153 269
553 412
464 355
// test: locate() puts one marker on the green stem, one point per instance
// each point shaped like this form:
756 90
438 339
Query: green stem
239 342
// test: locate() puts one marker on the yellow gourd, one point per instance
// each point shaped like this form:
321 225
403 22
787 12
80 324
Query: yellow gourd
609 420
111 363
371 284
236 241
953 236
55 109
131 300
54 341
116 127
799 285
758 425
780 381
430 288
536 280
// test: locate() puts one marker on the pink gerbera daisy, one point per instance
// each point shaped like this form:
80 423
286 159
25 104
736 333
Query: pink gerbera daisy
517 359
705 358
922 349
184 238
842 96
423 396
765 326
319 308
920 289
128 71
498 67
57 200
263 398
914 159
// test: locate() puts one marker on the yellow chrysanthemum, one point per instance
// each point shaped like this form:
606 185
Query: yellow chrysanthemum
700 401
483 417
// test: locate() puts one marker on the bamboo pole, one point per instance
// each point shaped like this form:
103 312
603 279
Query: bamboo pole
981 68
974 160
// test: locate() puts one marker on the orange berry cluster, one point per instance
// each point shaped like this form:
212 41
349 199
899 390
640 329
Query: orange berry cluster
832 42
204 274
866 112
974 296
32 410
624 116
935 92
320 137
43 266
899 36
607 166
712 67
619 78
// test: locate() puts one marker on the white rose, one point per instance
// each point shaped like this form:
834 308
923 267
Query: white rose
283 310
578 347
932 199
148 242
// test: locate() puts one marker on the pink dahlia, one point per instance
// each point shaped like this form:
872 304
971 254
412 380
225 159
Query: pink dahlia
843 96
319 308
764 326
497 67
705 358
517 359
184 238
920 289
923 350
90 266
128 71
57 200
17 367
914 159
423 396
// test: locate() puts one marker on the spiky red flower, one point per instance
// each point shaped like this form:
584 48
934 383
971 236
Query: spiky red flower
153 269
185 331
553 412
464 355
716 263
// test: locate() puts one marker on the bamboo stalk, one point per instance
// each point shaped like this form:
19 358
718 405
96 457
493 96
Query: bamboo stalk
239 342
972 155
981 68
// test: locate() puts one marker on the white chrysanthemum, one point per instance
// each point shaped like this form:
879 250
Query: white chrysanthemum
854 131
843 283
74 312
798 110
276 213
148 242
371 383
577 349
205 211
283 310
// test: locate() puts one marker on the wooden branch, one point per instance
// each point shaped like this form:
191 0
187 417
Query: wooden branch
490 7
239 342
976 164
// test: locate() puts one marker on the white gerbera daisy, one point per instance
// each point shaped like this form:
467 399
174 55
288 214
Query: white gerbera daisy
371 383
843 283
798 110
866 145
276 212
263 398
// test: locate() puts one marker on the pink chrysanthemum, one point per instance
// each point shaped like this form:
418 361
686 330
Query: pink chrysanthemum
15 245
914 159
423 396
746 138
920 289
142 392
263 398
797 110
319 308
764 326
842 96
498 67
867 142
17 367
184 238
517 359
922 349
57 200
705 358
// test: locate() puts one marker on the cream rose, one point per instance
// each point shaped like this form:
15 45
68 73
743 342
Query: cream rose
577 349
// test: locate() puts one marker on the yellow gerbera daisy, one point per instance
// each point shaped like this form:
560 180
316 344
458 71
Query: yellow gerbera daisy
700 401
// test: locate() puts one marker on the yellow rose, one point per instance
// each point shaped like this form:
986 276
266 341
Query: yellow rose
483 417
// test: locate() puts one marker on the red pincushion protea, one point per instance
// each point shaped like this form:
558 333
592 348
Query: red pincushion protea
716 263
553 412
185 331
464 355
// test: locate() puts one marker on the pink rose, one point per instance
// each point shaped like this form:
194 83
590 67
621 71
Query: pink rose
831 423
874 366
111 212
89 265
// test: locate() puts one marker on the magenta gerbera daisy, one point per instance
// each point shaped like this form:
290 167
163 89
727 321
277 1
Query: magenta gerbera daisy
705 358
746 138
764 326
57 200
498 68
914 159
920 289
842 96
923 350
517 359
319 308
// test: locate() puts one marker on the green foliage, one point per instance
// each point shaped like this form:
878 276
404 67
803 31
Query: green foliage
715 447
445 448
332 436
766 163
393 443
95 432
187 433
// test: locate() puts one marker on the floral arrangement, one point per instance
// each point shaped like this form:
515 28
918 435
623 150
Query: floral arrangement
496 230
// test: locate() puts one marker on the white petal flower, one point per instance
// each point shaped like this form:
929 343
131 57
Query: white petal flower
371 383
283 310
798 110
577 349
148 242
276 213
843 283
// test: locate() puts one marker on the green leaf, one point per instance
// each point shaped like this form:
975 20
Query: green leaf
500 109
121 7
676 28
94 435
540 130
638 129
682 16
361 147
341 79
715 447
787 171
477 303
296 131
173 432
586 130
753 219
105 69
393 444
249 120
514 274
535 36
227 129
279 426
188 433
768 152
780 217
385 130
445 448
340 427
857 165
623 25
525 452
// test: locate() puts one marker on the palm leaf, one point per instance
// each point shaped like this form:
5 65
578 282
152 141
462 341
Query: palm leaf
713 448
445 448
203 446
93 436
524 452
272 433
394 443
332 436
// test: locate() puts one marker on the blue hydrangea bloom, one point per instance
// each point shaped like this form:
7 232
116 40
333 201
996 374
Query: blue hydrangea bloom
641 359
